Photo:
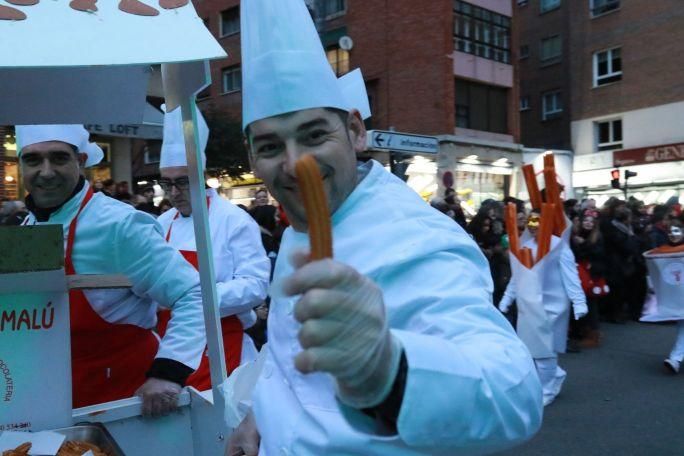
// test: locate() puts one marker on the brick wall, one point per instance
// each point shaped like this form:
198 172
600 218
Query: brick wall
652 39
403 48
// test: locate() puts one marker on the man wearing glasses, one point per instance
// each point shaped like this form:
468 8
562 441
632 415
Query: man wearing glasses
241 265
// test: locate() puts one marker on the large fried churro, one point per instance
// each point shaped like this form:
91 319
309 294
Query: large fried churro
316 205
512 229
21 450
545 230
532 187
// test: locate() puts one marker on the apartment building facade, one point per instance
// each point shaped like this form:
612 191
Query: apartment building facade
432 67
611 92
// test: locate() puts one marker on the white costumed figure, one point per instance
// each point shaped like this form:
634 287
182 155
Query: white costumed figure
392 347
240 262
543 295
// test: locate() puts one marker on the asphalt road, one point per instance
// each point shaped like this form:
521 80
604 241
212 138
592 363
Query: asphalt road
617 399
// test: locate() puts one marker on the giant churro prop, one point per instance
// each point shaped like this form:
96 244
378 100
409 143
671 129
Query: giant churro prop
95 62
528 267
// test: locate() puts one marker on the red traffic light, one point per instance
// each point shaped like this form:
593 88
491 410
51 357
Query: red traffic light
615 174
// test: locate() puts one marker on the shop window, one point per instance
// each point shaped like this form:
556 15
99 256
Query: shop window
548 5
339 60
230 21
524 103
481 107
481 32
600 7
607 66
551 50
552 105
608 135
232 79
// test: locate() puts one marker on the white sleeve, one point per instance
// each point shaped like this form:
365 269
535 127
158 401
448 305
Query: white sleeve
159 272
251 271
570 275
471 386
509 294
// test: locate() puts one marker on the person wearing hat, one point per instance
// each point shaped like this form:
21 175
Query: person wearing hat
393 346
560 286
240 262
115 353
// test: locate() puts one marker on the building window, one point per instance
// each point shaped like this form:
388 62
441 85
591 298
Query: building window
481 32
151 155
481 107
230 21
232 79
599 7
524 51
551 50
522 2
548 5
608 135
552 105
339 60
334 7
607 67
524 103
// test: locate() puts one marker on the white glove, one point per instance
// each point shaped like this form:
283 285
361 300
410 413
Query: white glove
505 304
580 310
344 330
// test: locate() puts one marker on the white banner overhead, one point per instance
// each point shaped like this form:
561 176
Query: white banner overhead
98 71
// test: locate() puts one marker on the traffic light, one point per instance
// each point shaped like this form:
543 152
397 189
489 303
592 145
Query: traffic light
629 174
615 175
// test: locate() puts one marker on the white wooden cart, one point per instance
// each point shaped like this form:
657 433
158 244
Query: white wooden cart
60 65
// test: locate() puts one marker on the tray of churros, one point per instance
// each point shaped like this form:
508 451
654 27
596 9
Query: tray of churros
89 439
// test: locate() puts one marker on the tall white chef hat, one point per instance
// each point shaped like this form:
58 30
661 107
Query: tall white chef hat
284 66
75 135
173 146
353 88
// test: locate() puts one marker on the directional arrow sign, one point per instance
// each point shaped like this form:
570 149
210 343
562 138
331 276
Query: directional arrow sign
402 142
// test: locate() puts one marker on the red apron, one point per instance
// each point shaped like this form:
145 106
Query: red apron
108 361
231 328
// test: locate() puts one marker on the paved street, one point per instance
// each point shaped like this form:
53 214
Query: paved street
617 399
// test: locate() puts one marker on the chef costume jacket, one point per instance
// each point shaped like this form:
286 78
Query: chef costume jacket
471 386
240 262
113 344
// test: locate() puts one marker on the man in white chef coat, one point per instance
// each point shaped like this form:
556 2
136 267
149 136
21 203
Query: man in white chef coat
393 347
115 353
240 262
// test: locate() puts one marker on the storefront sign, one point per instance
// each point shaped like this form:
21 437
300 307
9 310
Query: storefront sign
649 155
126 131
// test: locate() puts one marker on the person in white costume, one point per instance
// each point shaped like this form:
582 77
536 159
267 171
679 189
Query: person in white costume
114 350
560 285
666 269
240 262
393 347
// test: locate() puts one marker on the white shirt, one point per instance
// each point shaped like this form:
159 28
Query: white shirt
240 263
471 385
114 238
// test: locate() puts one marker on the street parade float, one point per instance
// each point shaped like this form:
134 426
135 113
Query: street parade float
89 62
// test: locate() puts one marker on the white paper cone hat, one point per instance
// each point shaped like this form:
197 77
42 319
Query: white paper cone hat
284 66
75 135
354 90
173 146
